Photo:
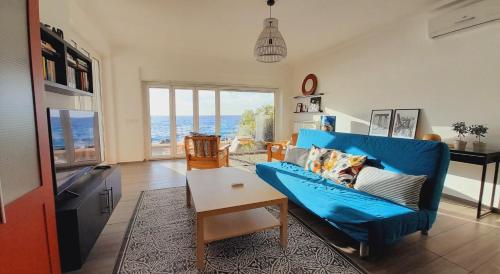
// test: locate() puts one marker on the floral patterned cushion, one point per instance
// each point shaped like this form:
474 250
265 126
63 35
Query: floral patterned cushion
343 168
316 158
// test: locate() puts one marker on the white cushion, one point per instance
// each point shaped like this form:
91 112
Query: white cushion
399 188
296 155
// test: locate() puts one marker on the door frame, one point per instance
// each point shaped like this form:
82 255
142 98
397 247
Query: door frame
43 196
196 87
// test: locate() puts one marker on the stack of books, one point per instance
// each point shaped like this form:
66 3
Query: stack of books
48 48
49 69
84 81
70 71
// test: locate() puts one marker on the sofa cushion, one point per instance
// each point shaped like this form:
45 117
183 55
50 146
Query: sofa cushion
399 188
342 168
315 159
296 155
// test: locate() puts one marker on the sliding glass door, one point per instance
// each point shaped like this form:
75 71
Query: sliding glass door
243 118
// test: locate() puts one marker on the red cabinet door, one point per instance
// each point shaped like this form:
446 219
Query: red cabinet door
28 237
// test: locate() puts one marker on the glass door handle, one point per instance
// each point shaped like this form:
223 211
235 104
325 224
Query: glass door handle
3 218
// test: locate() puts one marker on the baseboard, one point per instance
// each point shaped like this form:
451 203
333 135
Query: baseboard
466 202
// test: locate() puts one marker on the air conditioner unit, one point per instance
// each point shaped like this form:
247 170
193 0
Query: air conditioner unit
464 15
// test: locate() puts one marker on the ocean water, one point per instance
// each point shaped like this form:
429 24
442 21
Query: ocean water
160 127
83 132
82 128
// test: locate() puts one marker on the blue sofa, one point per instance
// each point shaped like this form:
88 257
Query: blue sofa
371 220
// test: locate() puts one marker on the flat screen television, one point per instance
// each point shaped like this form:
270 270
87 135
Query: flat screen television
75 143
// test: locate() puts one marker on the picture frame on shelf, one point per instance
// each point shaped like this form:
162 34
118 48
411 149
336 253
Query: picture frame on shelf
315 104
305 108
405 123
298 108
380 122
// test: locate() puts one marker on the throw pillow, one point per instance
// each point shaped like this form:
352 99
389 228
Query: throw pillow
296 155
399 188
342 168
315 159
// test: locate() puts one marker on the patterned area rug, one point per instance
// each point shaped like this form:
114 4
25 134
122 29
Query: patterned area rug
161 239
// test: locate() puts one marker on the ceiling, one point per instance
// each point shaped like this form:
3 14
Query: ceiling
229 28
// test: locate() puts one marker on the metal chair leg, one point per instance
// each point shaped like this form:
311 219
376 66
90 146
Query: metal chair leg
364 250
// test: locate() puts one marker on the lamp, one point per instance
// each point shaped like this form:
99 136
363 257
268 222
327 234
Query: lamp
270 46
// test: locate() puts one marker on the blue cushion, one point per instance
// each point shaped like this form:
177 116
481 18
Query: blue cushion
348 209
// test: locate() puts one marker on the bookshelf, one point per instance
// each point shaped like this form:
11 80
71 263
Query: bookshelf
66 70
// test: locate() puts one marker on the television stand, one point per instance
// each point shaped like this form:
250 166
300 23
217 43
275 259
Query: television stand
83 213
74 194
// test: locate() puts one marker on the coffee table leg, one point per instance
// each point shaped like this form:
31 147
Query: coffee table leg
284 224
200 242
188 196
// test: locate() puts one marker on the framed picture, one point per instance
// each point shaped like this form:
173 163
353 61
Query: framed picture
298 108
405 123
315 104
304 108
327 123
380 122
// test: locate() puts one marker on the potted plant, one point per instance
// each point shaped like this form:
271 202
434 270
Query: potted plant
478 131
461 129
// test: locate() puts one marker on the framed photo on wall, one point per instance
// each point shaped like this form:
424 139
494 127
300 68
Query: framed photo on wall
380 122
327 123
298 108
405 123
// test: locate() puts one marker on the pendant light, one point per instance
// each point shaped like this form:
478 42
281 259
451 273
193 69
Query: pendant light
270 46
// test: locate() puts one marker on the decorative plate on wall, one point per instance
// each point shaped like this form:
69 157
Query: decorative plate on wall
309 85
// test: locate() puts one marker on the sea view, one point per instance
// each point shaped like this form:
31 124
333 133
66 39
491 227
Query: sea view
160 127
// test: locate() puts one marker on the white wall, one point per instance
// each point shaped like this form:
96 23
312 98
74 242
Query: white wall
132 69
455 78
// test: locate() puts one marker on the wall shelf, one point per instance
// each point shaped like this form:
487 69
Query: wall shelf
309 96
65 90
69 71
315 112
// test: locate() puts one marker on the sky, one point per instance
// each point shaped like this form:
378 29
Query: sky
232 102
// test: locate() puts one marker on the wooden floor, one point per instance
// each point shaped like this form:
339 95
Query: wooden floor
457 242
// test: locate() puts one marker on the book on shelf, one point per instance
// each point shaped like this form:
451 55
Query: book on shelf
84 81
82 65
48 48
71 75
71 60
49 69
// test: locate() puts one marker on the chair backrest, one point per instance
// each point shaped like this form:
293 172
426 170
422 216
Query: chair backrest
202 146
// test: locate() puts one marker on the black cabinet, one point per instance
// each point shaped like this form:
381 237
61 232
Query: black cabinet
80 219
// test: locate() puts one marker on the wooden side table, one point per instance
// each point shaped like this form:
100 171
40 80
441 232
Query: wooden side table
482 158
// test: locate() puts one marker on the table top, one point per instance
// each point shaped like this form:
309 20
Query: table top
481 152
212 190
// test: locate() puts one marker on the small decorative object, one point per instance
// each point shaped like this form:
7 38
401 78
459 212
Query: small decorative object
478 131
237 185
298 108
327 123
405 123
270 46
309 85
431 137
315 105
60 33
461 129
304 108
380 122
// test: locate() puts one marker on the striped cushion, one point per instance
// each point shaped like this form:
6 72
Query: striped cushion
399 188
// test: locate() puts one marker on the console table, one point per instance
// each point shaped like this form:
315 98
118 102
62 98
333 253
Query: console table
482 158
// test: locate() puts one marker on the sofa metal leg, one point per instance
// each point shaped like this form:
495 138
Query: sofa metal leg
424 232
364 250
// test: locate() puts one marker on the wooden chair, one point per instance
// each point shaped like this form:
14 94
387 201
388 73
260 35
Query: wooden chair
276 150
204 152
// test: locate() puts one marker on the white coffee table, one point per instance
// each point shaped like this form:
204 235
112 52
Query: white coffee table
224 211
